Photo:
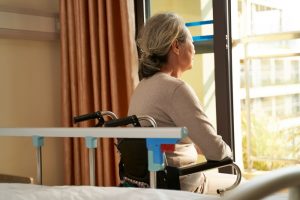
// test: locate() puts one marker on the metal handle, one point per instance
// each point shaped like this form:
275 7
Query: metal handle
237 180
109 113
148 118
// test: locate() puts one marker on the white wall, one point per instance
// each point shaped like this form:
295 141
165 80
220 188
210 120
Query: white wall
30 97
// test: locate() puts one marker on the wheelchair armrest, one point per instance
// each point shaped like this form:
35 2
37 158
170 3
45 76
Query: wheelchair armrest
174 173
210 164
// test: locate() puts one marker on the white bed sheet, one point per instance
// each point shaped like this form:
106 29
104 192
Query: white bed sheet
13 191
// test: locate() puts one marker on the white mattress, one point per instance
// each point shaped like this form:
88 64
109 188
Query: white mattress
12 191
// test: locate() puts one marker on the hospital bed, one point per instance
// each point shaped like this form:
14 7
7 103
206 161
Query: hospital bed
259 188
255 190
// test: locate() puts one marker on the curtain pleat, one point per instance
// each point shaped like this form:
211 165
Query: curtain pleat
98 59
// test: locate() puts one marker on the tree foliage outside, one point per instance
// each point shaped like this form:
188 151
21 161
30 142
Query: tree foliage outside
270 149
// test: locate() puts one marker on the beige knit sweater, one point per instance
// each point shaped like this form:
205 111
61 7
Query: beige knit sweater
173 103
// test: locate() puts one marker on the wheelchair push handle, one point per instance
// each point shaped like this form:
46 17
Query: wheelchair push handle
133 119
123 122
94 115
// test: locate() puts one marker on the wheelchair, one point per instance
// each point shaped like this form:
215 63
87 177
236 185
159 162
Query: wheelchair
133 165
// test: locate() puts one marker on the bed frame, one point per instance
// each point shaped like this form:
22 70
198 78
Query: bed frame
91 135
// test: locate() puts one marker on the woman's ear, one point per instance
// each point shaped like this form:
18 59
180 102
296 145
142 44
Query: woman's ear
175 47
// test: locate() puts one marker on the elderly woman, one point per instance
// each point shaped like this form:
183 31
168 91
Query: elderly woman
167 51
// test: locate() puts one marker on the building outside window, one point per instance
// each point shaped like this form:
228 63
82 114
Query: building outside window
266 56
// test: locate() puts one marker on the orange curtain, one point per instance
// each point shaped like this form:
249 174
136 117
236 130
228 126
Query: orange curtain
98 57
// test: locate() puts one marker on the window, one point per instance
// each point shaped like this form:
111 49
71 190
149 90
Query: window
266 56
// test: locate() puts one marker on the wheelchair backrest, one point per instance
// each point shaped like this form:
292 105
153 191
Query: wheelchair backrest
133 152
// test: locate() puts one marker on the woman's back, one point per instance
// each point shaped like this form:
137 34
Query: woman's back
167 51
153 96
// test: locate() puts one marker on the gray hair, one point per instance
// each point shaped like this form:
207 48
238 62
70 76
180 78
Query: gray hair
155 40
